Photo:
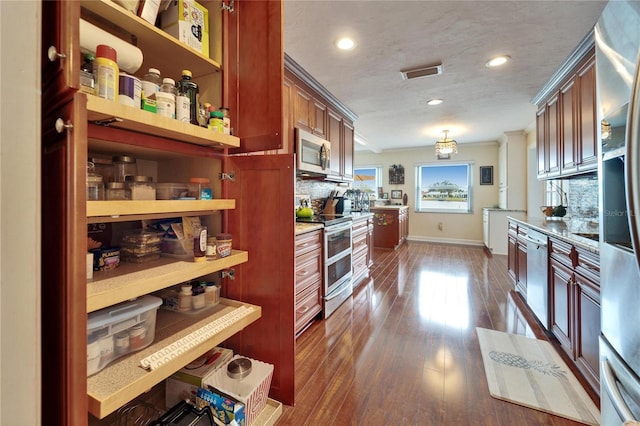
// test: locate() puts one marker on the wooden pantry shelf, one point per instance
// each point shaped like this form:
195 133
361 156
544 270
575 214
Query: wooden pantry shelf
119 211
120 116
131 280
124 379
168 53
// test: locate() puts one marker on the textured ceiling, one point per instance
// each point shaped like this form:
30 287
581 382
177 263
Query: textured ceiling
479 103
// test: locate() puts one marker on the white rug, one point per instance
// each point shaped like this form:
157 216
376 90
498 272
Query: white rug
531 373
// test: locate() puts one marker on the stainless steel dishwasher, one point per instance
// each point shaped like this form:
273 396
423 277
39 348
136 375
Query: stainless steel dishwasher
537 271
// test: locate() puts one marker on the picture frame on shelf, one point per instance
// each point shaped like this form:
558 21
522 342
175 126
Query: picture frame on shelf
486 175
396 194
385 195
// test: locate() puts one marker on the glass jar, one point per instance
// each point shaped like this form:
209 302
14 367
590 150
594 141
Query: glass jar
117 191
200 188
95 187
124 165
142 187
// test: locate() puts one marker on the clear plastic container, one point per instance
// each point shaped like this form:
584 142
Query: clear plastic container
117 191
95 187
142 187
166 98
141 237
200 188
171 191
151 82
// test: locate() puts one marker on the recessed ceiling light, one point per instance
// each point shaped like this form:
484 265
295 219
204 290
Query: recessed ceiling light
345 43
434 101
497 61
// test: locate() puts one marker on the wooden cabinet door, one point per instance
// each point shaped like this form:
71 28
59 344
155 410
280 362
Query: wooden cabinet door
253 58
552 145
347 151
587 319
512 257
303 109
568 134
560 288
541 138
370 231
521 282
263 225
319 114
334 135
64 248
288 123
60 31
588 141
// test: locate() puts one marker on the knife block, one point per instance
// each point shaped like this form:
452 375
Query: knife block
330 207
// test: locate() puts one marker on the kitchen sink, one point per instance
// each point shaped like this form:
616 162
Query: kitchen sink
589 235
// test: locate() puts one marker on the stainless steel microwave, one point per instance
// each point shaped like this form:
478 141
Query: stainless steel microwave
312 153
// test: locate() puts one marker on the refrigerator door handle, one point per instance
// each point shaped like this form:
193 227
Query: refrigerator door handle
608 381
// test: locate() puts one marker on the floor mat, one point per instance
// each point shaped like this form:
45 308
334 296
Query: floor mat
531 373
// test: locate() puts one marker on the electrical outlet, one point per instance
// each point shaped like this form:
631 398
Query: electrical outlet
440 227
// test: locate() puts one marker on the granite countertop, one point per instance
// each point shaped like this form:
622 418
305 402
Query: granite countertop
356 216
389 207
563 230
302 228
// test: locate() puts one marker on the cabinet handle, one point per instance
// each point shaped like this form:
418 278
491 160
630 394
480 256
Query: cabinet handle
303 273
61 125
303 310
53 54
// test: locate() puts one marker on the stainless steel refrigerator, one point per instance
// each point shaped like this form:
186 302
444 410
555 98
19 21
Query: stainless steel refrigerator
617 35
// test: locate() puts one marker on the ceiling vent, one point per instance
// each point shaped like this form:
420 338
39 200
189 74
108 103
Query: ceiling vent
435 69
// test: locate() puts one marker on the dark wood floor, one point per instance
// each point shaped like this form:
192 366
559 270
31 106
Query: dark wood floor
404 349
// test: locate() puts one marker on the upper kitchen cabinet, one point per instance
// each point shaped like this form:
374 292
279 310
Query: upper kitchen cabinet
566 117
314 109
512 153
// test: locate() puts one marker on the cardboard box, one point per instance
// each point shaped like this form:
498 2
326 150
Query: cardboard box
223 407
184 384
188 21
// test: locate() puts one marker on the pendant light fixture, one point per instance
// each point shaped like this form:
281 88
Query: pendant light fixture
446 146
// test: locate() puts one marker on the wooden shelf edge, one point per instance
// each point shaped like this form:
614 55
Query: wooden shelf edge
131 208
124 380
116 115
132 280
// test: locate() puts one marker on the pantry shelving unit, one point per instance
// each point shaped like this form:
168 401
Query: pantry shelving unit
172 150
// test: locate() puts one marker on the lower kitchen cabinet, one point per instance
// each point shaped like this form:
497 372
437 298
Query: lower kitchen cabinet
308 300
391 226
361 247
517 256
575 305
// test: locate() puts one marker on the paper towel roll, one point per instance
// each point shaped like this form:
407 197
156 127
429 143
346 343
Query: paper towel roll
129 56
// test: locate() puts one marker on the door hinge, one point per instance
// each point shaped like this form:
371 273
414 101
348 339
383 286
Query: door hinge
228 176
228 7
229 273
108 121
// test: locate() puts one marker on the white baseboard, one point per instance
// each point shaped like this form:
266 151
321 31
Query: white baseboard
446 241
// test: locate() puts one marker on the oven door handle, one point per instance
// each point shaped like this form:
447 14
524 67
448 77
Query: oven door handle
334 229
343 287
609 386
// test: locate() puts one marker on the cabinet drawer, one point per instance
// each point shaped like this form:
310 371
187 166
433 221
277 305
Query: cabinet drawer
308 270
562 252
588 265
308 305
359 264
308 242
359 244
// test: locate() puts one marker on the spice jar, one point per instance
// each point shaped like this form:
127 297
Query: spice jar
211 248
200 188
142 187
137 336
223 244
117 191
184 297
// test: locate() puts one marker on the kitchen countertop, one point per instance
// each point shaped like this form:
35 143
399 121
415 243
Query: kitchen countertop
356 216
302 228
389 207
562 230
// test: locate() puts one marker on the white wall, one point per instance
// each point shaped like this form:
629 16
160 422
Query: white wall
456 228
20 23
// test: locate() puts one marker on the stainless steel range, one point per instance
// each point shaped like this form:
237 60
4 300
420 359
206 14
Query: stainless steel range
337 260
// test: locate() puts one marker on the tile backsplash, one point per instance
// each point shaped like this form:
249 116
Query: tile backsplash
581 199
317 191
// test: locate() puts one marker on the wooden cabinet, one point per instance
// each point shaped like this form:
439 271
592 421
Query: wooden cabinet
566 123
308 278
313 108
391 226
512 177
575 305
517 256
172 151
361 247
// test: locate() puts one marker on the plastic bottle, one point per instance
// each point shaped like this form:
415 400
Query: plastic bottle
166 98
226 120
216 122
105 71
199 243
188 88
151 82
184 297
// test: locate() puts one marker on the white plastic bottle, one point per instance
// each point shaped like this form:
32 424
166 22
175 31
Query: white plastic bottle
151 82
166 98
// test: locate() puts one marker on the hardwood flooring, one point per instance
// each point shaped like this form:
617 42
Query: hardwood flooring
404 350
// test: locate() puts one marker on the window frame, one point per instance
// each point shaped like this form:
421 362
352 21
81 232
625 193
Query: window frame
378 179
470 186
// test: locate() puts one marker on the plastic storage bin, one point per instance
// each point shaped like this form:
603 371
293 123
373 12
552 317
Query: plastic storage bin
140 246
171 191
119 330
